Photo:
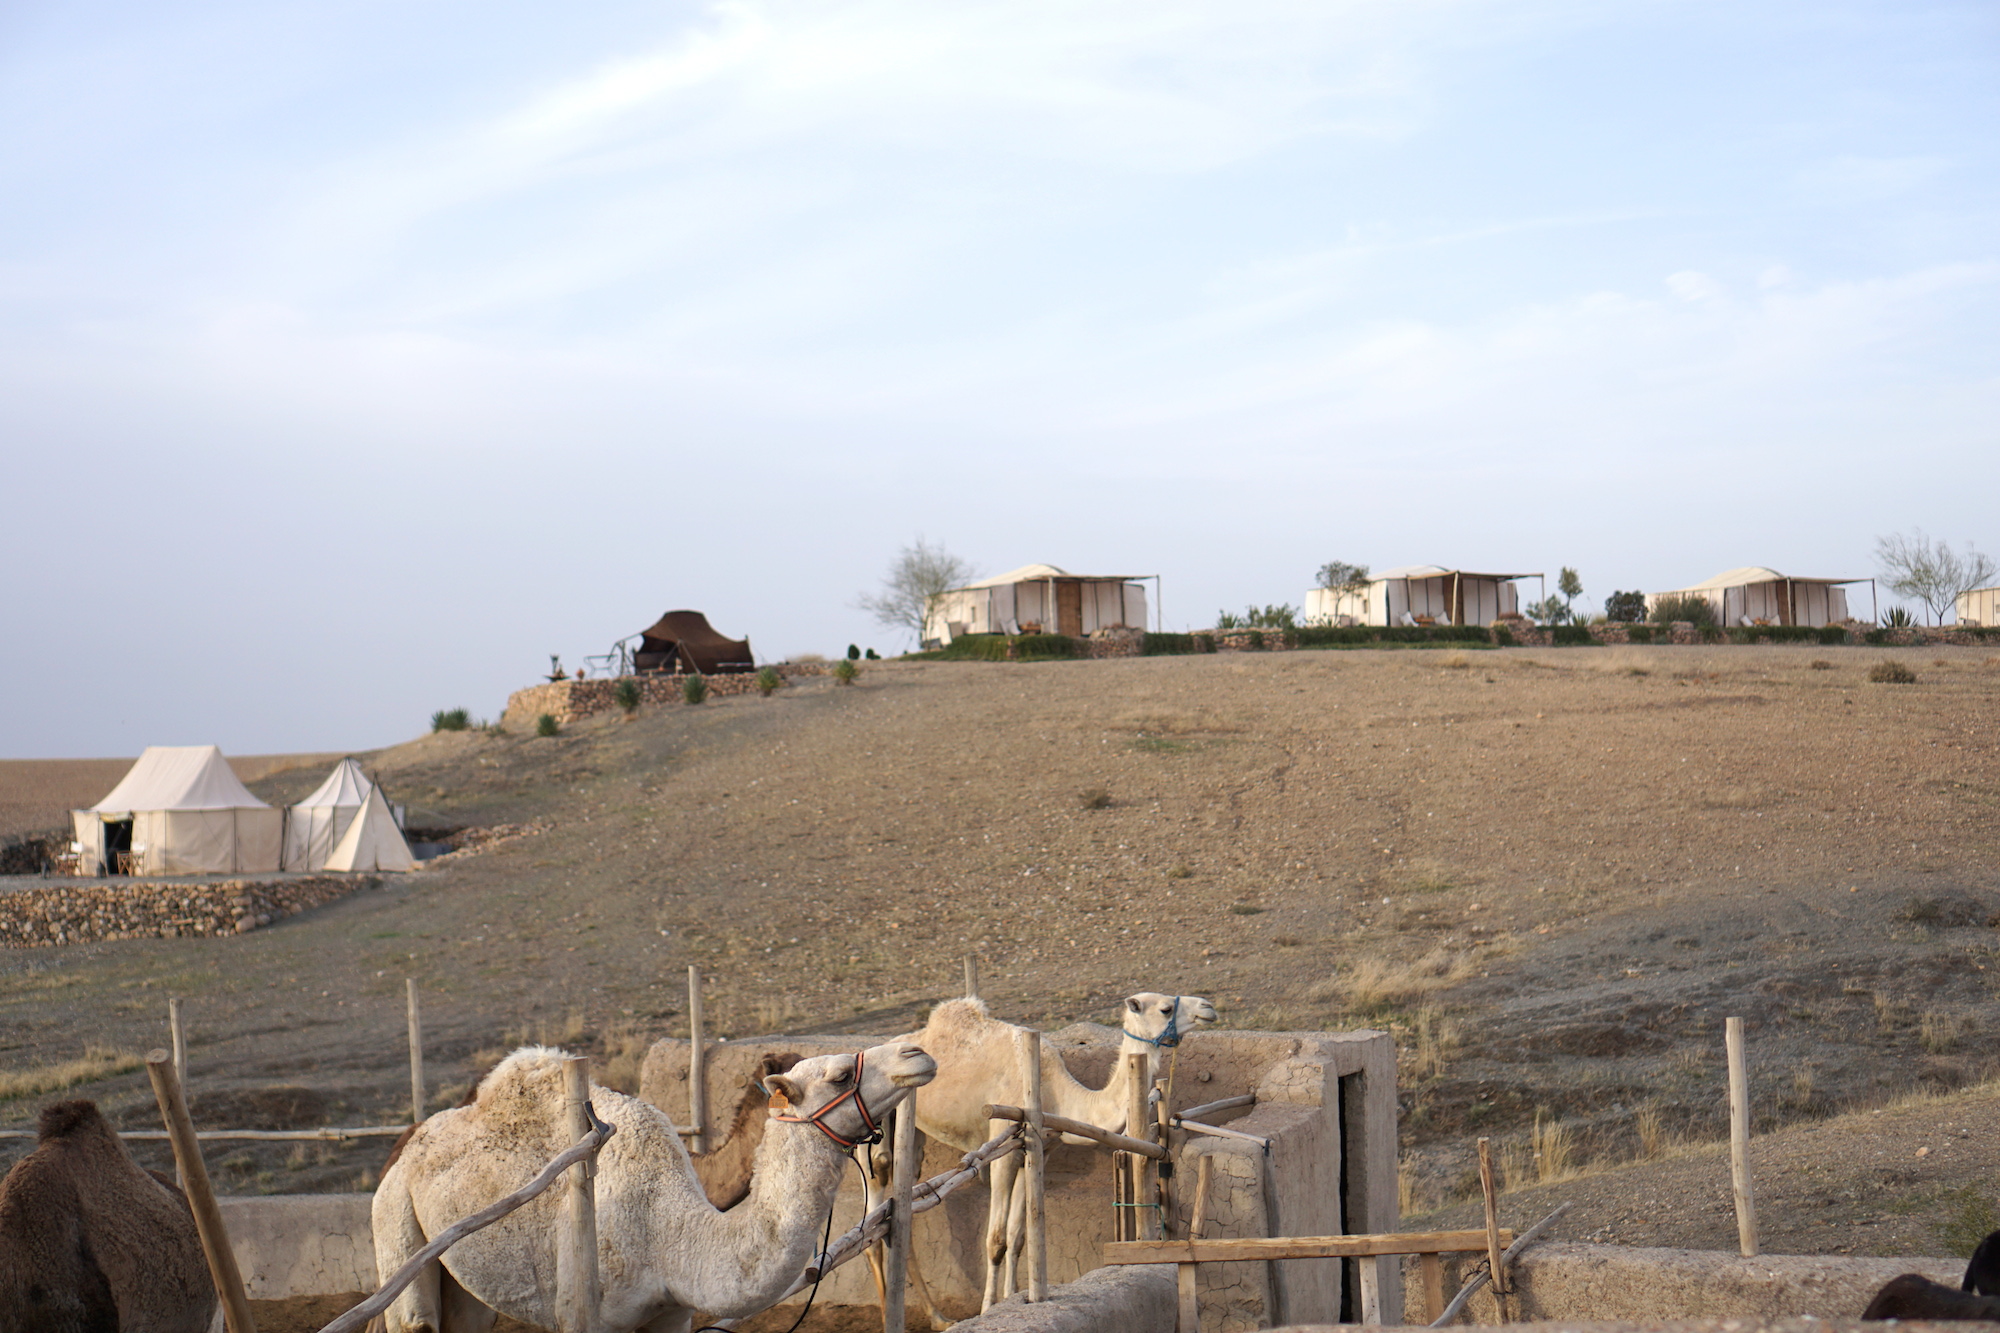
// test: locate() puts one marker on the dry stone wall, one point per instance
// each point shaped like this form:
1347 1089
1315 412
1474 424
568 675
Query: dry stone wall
143 910
568 700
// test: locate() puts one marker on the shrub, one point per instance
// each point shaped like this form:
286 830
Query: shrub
1572 636
451 719
1640 634
845 671
1897 617
1776 634
694 689
1820 664
1695 610
546 725
1207 642
1172 645
1045 647
626 696
1831 634
872 655
853 652
1278 616
1891 673
1503 637
1097 799
1254 640
1625 607
768 681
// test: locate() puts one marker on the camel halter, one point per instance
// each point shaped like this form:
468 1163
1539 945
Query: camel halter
873 1131
1169 1038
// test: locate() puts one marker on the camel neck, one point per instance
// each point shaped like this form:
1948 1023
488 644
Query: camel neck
766 1241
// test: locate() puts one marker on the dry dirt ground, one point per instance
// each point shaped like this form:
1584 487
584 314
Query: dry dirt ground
1551 873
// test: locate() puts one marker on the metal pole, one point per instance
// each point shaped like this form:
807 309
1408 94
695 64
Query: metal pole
697 1071
902 1180
577 1294
416 1051
222 1269
1739 1139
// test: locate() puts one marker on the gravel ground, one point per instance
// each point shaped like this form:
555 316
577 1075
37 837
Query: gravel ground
1550 872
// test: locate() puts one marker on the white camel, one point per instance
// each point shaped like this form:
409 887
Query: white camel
663 1250
977 1064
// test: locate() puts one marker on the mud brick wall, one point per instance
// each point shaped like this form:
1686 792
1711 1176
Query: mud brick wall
72 914
568 700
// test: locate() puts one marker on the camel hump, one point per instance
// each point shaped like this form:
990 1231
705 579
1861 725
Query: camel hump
61 1120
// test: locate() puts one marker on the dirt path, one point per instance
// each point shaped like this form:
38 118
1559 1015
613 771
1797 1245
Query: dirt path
1550 872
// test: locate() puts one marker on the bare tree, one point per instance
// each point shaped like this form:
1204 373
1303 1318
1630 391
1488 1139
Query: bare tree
919 575
1339 576
1933 573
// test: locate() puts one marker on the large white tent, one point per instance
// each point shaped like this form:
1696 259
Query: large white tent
372 840
315 825
1415 594
1056 600
179 811
1756 595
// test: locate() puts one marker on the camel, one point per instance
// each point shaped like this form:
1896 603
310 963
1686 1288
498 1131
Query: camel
1913 1296
663 1249
977 1064
90 1242
725 1169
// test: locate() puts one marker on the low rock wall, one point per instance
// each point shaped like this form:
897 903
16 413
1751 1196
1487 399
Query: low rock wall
1136 1298
150 909
568 700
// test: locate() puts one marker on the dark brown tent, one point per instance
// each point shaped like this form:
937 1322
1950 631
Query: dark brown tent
685 641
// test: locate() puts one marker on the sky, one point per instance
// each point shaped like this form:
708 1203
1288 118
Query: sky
354 357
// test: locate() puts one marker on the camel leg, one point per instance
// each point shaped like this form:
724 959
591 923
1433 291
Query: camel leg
937 1321
463 1312
1017 1231
874 1189
999 1197
398 1235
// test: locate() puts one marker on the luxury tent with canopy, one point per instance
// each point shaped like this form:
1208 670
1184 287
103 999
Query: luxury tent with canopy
1756 595
181 810
315 826
1042 597
1418 594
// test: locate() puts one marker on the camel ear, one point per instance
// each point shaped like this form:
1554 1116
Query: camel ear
780 1088
1132 1004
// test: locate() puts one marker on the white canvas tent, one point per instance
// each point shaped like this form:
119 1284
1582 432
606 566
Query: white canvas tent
314 826
372 840
1446 596
1980 606
1055 599
1754 594
179 811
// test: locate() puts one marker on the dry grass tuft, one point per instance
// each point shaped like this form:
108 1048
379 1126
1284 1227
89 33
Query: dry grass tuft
1819 664
1652 1132
1437 1040
1456 661
96 1062
1939 1032
621 1052
1377 985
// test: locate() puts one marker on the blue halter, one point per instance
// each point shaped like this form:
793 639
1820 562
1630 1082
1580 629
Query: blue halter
1171 1037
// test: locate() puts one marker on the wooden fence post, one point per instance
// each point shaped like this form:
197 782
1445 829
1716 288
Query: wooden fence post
1136 1121
902 1181
416 1052
208 1225
697 1070
177 1034
577 1297
1495 1264
1028 1048
1739 1139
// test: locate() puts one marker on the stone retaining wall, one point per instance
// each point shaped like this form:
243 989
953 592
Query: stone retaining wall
568 700
1527 634
149 909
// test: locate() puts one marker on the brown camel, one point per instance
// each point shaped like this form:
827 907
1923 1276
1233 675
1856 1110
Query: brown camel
89 1242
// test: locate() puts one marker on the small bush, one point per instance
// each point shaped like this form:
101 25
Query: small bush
1898 617
1572 636
1097 799
1245 909
1207 642
1254 640
1820 664
853 652
1174 645
769 681
451 719
1891 673
694 689
1503 637
1639 634
1279 616
1695 610
845 672
872 655
546 725
1046 647
1625 607
1831 635
626 695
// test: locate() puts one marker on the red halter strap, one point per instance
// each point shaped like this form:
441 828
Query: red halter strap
817 1119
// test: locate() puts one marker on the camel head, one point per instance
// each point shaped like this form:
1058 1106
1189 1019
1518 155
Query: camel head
1162 1020
822 1091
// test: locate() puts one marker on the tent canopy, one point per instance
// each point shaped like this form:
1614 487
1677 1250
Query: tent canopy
1438 572
685 641
1748 574
346 785
179 777
1042 574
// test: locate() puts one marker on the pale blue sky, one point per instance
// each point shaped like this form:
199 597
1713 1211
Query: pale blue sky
353 357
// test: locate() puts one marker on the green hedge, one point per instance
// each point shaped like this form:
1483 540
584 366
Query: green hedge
993 648
1639 633
1046 647
1174 645
1829 634
1572 636
1362 636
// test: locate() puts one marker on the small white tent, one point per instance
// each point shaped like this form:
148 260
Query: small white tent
372 840
314 826
179 811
